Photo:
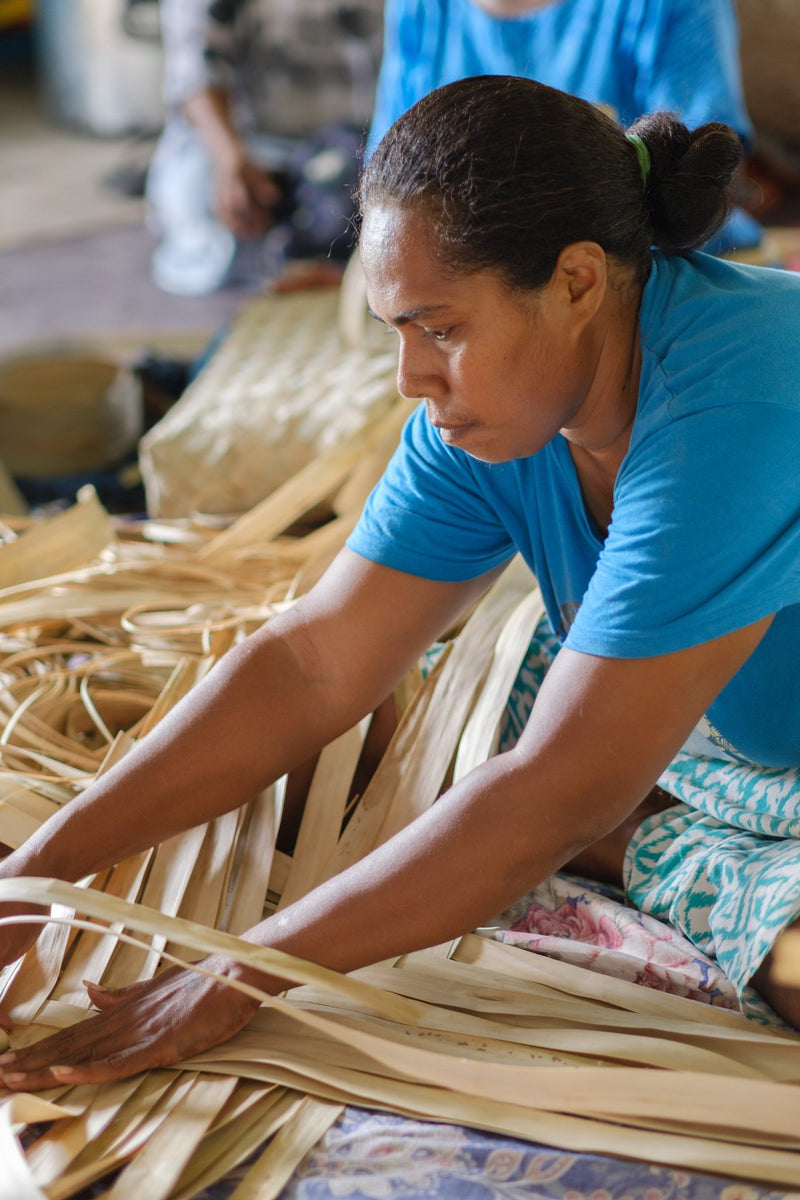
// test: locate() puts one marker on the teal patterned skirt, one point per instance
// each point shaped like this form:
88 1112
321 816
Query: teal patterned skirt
723 865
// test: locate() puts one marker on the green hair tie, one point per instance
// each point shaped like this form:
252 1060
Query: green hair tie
642 153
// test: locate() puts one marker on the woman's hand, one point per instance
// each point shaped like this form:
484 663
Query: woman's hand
151 1024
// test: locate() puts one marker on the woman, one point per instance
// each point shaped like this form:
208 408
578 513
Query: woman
570 376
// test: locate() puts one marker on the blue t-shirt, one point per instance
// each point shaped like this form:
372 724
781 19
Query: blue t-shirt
634 56
705 532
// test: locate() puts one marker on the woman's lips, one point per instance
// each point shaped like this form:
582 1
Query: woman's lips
452 433
451 430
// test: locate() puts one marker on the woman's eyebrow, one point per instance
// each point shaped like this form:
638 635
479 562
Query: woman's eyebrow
413 314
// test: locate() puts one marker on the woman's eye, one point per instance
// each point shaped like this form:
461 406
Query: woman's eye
438 335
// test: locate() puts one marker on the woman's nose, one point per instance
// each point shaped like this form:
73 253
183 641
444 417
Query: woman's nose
415 377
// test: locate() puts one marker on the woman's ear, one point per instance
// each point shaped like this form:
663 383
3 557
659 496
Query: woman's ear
581 277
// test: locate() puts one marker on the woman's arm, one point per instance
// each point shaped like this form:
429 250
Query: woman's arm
293 686
600 733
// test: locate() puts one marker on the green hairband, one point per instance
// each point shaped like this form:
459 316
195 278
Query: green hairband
643 155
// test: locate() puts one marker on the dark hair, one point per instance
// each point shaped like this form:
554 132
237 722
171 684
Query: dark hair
510 171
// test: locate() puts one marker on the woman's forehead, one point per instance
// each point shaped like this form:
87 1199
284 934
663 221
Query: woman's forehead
394 245
383 225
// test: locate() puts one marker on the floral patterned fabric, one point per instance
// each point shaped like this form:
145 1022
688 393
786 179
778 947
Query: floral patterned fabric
593 927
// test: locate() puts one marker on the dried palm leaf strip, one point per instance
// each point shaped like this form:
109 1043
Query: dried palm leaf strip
59 544
86 1112
12 502
411 774
267 1177
107 589
16 1182
576 1134
533 1011
157 1168
786 959
595 1042
768 1109
632 1094
23 809
479 738
132 1126
311 485
408 1060
254 1114
41 969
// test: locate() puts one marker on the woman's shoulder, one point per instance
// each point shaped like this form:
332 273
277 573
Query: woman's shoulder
712 320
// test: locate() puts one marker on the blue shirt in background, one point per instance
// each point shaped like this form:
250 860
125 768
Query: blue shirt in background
633 56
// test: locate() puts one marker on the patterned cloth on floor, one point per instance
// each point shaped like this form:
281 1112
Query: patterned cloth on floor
377 1156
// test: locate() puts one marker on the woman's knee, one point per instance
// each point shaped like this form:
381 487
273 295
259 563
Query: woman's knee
783 997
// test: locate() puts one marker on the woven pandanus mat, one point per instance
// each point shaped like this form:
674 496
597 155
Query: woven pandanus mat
285 385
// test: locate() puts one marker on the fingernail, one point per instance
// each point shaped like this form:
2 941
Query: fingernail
14 1078
8 1057
89 983
62 1072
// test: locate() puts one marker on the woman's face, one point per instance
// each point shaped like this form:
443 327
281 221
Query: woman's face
500 372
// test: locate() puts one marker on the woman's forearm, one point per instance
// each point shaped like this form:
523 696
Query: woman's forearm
477 850
253 718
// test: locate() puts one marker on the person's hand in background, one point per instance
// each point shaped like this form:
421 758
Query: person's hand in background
245 195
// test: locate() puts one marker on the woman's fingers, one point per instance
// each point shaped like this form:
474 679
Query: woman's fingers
147 1025
103 997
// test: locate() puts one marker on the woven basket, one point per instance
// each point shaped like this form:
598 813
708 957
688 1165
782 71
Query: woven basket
61 414
296 375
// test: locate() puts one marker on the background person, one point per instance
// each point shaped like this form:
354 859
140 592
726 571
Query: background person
246 83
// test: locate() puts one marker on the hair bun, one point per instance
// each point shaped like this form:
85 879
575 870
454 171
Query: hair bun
688 193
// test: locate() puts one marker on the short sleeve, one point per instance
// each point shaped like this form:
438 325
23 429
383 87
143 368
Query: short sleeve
429 515
705 535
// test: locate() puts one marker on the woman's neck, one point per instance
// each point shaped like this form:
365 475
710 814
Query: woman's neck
599 441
